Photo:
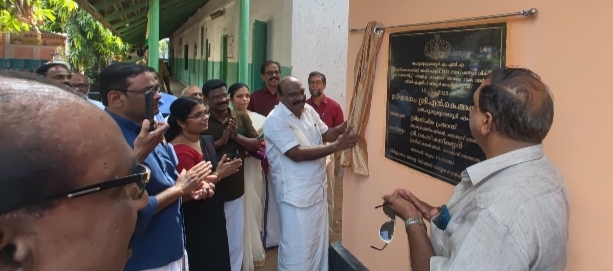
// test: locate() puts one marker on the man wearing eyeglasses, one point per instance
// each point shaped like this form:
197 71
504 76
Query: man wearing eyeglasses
510 211
69 189
160 244
265 99
80 83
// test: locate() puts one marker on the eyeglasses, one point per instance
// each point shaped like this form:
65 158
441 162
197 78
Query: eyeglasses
270 73
140 178
199 116
81 86
386 232
155 89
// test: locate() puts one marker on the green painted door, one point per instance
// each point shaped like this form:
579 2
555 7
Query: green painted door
194 68
207 51
199 60
258 53
185 72
223 72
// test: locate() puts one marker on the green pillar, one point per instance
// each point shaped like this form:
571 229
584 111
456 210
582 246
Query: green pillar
243 42
154 33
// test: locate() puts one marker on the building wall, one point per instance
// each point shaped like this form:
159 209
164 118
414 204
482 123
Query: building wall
319 42
274 12
304 36
23 57
571 56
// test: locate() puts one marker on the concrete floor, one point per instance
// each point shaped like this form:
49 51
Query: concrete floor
176 86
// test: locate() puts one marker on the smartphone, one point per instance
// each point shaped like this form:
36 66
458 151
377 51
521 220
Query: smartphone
235 155
149 112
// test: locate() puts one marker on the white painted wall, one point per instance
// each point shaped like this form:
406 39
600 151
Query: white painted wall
278 16
189 32
274 12
319 43
306 35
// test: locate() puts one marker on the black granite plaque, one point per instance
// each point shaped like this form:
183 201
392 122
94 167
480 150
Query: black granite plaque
433 75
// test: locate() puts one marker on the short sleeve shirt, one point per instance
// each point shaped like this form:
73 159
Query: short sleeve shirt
233 185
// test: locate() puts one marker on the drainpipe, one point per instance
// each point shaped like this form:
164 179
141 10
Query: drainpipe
243 42
154 33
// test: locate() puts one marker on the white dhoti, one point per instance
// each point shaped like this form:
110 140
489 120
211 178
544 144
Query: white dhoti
304 237
272 227
178 265
330 163
235 225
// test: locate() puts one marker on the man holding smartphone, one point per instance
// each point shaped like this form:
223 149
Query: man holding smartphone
234 134
159 243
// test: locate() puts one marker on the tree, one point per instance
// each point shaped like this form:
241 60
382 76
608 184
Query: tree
90 44
22 15
163 47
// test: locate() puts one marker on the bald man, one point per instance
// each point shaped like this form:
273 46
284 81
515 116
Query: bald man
510 211
295 146
193 91
80 83
69 180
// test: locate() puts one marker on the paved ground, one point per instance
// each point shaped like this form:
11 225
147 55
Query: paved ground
176 86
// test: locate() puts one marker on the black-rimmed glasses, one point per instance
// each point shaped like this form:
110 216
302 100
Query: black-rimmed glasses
80 86
140 178
155 89
386 232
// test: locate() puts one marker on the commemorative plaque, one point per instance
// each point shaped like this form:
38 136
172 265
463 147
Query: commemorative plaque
433 75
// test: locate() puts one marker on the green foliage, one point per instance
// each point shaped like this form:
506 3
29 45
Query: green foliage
162 47
90 44
17 16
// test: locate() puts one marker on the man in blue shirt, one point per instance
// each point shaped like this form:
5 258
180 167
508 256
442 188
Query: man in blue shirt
165 103
158 242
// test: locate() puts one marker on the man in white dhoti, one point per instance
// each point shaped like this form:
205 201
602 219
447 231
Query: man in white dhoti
295 148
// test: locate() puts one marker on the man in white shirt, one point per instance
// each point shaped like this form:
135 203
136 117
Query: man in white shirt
80 83
295 148
509 212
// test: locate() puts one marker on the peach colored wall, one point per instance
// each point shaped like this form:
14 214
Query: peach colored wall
568 44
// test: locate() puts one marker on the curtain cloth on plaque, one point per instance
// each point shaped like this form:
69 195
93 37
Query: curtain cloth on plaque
359 109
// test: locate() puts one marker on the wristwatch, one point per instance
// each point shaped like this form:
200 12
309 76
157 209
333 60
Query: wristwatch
414 220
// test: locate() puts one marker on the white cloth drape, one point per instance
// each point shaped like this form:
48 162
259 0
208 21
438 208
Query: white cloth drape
254 254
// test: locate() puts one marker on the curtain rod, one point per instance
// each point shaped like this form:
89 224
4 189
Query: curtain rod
525 13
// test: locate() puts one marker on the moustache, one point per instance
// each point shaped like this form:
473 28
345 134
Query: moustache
275 78
299 102
223 103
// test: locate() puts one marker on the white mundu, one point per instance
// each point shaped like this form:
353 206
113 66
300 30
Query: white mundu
300 189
